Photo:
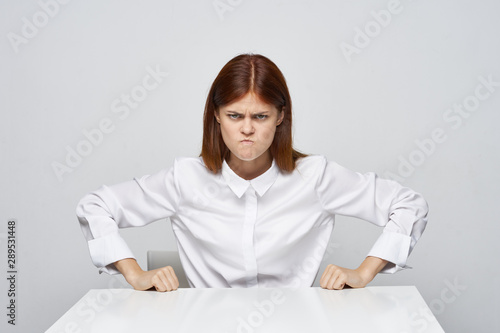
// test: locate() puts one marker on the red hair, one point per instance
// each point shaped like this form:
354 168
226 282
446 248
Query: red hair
243 74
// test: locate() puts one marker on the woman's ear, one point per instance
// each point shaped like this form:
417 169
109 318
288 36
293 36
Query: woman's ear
217 117
281 116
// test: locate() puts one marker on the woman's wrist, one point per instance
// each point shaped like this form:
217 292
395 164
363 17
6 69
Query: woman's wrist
130 270
369 268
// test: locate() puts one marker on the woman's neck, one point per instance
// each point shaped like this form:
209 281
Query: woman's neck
250 169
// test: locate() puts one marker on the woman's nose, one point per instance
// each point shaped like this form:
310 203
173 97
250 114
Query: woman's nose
247 126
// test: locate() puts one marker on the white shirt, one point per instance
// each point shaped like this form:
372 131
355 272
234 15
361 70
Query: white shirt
233 232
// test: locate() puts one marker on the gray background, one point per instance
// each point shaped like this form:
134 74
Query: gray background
366 111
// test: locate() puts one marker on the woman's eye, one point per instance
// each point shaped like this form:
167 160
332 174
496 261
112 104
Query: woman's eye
261 116
233 116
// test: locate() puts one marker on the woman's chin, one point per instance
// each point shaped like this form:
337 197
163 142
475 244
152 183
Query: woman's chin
246 158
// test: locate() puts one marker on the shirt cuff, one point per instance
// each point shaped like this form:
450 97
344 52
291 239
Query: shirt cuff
106 250
393 247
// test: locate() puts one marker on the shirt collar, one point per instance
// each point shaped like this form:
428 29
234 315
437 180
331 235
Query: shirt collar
260 184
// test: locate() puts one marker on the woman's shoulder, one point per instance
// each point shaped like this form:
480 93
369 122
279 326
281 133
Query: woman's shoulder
184 169
188 163
310 167
311 161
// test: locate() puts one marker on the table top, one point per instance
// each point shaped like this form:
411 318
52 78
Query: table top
372 309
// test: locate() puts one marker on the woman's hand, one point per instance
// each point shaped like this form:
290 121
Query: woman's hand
162 279
336 277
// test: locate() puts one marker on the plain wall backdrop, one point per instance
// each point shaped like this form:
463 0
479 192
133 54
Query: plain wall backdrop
407 89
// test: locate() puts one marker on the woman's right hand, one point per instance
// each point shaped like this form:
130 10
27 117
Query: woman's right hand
161 279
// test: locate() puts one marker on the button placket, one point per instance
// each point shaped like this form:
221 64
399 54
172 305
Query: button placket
248 237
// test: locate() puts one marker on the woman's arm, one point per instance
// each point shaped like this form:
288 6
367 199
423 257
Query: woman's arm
401 211
336 277
134 203
162 279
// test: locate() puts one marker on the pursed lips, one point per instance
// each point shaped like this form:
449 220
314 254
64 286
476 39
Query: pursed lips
246 142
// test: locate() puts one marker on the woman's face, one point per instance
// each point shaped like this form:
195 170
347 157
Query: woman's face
248 126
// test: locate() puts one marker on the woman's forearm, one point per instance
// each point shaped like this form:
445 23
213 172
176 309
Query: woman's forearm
370 267
129 269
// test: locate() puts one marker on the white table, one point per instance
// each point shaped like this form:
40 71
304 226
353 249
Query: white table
367 310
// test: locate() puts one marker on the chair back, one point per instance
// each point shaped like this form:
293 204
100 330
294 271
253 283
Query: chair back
158 259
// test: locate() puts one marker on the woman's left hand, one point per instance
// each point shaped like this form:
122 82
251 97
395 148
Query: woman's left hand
336 277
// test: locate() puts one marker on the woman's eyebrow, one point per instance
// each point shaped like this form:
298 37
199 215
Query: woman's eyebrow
240 113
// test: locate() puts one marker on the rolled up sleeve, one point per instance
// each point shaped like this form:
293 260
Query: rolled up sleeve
401 211
130 204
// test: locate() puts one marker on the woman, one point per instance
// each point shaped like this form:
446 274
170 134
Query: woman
251 211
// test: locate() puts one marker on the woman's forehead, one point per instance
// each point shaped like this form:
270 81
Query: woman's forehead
250 101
